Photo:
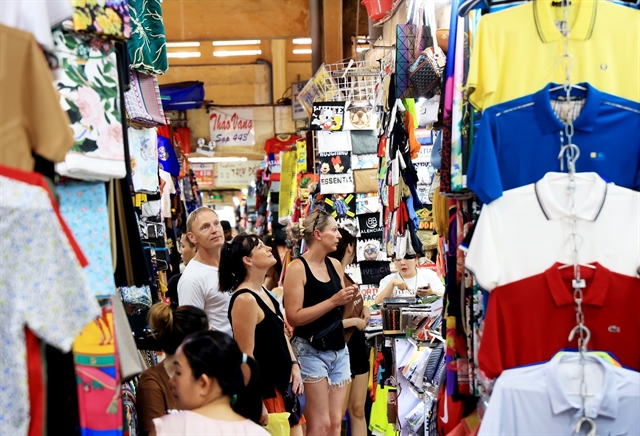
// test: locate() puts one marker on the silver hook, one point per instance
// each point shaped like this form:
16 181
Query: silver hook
578 427
586 331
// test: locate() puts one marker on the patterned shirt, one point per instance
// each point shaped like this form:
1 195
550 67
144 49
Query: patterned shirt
41 287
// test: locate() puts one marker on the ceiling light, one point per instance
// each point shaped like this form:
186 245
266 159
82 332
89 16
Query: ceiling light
302 41
183 44
216 159
184 54
302 51
238 42
226 53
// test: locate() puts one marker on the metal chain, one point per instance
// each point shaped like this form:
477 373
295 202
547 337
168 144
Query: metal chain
571 152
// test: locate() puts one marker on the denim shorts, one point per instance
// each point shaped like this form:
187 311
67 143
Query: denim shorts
316 365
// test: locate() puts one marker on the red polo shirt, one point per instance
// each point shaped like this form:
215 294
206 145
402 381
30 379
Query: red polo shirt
529 320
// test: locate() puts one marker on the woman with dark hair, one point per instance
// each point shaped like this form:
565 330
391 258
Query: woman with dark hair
315 293
355 319
169 326
257 323
278 244
210 388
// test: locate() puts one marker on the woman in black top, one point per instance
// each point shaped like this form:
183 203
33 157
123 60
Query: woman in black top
355 319
258 325
315 293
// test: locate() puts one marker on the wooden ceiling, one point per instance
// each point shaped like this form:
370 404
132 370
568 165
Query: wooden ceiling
196 20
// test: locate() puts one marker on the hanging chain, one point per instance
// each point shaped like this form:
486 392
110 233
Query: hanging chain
571 153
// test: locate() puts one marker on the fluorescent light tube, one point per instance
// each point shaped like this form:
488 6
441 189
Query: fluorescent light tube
238 42
302 41
302 51
183 44
227 53
184 54
216 159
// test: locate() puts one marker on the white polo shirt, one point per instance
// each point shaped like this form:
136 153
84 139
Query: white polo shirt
527 230
538 400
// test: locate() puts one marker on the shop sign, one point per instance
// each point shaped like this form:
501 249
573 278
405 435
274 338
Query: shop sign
203 173
297 110
237 173
232 126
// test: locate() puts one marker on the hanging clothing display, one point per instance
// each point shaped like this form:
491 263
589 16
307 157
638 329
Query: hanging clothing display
148 44
551 389
518 141
609 300
37 17
109 18
98 377
84 207
143 152
32 228
32 120
87 80
142 100
501 252
524 42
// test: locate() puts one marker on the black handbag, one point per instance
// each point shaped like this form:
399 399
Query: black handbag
329 338
425 73
294 404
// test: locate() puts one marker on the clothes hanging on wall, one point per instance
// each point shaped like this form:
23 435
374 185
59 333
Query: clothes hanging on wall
32 227
32 120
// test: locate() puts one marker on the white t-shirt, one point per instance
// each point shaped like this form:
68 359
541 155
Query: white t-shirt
423 278
198 286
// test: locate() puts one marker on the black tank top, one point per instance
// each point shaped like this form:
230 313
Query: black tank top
315 292
270 346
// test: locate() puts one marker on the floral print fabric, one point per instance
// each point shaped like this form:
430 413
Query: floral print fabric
84 207
148 44
41 287
87 80
108 18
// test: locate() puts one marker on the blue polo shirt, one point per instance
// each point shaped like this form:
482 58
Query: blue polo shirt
518 141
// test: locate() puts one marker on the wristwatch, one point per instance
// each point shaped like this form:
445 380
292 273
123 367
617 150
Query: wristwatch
295 362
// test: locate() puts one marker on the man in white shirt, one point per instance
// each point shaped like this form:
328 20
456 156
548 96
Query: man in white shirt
198 285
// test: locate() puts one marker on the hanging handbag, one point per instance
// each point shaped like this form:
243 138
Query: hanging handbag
294 404
425 73
136 297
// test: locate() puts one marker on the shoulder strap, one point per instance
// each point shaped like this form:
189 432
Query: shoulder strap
333 274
